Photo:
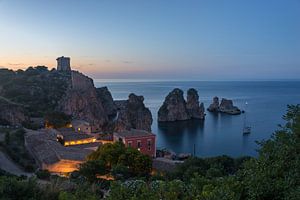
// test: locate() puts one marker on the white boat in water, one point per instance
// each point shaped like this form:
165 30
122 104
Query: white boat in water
246 128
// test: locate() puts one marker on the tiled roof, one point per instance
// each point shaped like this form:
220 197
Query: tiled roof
133 133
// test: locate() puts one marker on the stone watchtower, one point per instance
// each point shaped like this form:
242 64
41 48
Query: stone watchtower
63 64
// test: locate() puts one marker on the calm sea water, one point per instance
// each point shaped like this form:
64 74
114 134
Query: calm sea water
220 133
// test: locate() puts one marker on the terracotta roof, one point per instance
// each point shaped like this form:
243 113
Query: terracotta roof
133 133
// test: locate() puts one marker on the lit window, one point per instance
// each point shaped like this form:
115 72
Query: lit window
78 129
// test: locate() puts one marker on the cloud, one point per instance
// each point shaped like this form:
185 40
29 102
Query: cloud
127 62
15 64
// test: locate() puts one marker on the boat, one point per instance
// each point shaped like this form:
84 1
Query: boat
246 128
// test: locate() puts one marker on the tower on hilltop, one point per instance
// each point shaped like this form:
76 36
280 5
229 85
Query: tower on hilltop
63 64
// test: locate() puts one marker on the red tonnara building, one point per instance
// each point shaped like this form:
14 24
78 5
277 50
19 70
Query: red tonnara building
139 139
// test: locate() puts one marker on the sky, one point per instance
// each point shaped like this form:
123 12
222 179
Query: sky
156 39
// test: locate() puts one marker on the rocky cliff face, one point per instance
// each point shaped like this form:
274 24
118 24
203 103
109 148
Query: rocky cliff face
132 113
195 110
107 101
214 107
11 113
226 106
174 107
82 102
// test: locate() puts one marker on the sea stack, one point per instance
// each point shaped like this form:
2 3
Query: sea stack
226 106
214 107
175 108
195 110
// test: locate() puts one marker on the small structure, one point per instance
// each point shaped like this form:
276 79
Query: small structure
81 126
63 64
53 156
68 137
139 139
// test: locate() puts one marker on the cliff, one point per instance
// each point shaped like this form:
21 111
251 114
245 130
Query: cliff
132 113
12 113
107 101
82 102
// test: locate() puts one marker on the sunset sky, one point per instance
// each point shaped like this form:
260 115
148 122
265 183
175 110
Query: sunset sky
155 39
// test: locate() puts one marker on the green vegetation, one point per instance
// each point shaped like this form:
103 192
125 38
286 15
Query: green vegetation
14 146
43 174
273 175
38 89
120 161
57 119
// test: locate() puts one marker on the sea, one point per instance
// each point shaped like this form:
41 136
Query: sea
264 102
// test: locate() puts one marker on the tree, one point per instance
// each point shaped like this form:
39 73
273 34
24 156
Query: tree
92 168
276 172
117 156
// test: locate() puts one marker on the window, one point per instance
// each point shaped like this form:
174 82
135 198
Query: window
149 144
139 144
129 143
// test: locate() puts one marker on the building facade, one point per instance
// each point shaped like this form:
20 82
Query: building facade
63 64
141 140
81 126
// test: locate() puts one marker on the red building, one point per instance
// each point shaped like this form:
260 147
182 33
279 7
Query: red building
139 139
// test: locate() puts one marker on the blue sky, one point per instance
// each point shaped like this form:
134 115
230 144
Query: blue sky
157 39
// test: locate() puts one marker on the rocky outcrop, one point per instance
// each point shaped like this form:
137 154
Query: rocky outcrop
107 101
81 81
82 102
11 113
226 106
195 110
132 113
175 108
214 107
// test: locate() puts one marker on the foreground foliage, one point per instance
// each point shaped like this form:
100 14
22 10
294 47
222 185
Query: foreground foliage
120 161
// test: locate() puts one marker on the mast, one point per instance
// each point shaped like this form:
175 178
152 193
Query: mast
245 115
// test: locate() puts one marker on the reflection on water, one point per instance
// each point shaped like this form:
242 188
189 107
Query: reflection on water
177 134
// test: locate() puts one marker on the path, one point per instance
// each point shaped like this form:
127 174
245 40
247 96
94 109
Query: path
8 165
